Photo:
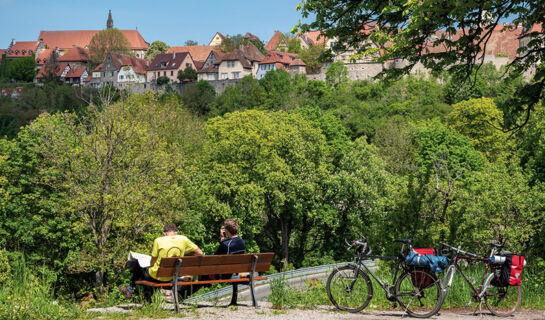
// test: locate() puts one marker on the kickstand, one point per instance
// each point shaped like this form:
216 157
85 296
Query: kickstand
480 309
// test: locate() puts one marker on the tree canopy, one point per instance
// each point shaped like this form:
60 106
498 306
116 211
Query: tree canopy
105 41
155 48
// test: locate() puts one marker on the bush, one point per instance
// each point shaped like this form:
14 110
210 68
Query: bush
162 80
5 269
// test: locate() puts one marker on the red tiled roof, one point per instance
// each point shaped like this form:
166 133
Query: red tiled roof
251 36
212 68
198 53
121 60
75 73
76 54
169 60
22 49
297 62
251 52
59 68
316 37
280 57
198 64
44 57
275 40
98 68
81 38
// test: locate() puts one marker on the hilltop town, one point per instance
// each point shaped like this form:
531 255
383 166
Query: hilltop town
66 55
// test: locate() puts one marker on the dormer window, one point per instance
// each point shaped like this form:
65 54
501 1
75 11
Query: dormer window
37 60
16 52
29 51
23 52
45 60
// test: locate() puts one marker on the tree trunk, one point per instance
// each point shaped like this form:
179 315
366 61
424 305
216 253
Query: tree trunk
99 280
285 240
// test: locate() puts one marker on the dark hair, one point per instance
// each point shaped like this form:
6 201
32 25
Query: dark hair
170 227
231 225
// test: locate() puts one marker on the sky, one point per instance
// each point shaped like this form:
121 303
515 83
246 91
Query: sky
170 21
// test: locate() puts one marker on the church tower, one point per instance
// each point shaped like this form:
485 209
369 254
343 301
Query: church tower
110 22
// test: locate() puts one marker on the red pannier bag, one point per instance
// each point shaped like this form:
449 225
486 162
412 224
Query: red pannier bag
517 264
422 280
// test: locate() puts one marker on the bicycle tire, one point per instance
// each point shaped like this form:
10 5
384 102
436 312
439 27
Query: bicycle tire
419 293
349 288
503 301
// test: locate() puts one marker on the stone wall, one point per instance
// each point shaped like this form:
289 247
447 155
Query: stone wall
219 86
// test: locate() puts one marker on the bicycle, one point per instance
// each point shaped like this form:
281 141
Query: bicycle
502 301
417 291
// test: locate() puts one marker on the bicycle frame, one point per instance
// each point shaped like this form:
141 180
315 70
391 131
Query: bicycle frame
477 292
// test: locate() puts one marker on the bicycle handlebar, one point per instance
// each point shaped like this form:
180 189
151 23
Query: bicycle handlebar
458 250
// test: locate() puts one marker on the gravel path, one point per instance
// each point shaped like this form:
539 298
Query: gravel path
264 312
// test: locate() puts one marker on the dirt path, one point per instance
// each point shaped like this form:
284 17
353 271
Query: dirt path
264 312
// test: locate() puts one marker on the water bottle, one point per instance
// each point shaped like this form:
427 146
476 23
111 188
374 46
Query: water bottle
497 260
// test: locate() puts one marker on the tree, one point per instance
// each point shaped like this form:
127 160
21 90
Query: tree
312 57
231 43
190 43
264 168
155 48
120 167
162 80
278 89
22 69
188 73
198 96
402 30
336 73
481 121
105 41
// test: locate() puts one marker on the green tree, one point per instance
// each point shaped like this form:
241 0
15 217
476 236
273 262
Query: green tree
265 169
481 121
155 48
190 43
187 73
278 89
198 96
336 73
105 41
162 80
22 69
120 167
313 57
246 94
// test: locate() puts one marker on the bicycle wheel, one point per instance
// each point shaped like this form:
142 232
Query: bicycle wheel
349 288
503 301
419 293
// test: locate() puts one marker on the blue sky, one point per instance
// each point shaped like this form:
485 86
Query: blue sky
171 21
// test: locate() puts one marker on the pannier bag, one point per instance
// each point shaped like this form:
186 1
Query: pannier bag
424 257
509 272
517 264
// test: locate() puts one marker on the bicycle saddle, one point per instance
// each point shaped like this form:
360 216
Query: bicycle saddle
405 241
496 245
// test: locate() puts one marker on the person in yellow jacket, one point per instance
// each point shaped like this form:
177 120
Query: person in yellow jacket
171 244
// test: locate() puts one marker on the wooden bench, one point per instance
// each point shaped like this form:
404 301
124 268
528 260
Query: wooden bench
177 267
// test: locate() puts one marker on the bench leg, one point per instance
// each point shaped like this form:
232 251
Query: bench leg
254 301
175 286
235 295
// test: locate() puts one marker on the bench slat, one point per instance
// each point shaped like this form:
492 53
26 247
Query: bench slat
214 269
168 284
217 259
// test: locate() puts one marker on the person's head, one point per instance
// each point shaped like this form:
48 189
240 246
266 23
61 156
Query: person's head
170 229
231 227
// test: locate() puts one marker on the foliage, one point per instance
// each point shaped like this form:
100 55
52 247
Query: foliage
21 69
198 96
230 43
5 268
162 80
336 74
313 57
117 176
155 48
259 45
187 73
278 89
481 121
264 168
105 41
248 93
190 43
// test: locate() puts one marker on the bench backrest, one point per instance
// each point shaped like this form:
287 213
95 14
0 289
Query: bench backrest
216 264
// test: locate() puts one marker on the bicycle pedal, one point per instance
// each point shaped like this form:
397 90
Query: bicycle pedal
394 305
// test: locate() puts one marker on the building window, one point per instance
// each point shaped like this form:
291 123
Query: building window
201 77
121 77
235 75
187 65
224 76
215 76
172 73
112 73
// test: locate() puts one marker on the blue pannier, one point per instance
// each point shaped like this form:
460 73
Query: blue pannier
436 264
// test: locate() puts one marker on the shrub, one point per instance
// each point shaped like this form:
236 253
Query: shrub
5 269
162 80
